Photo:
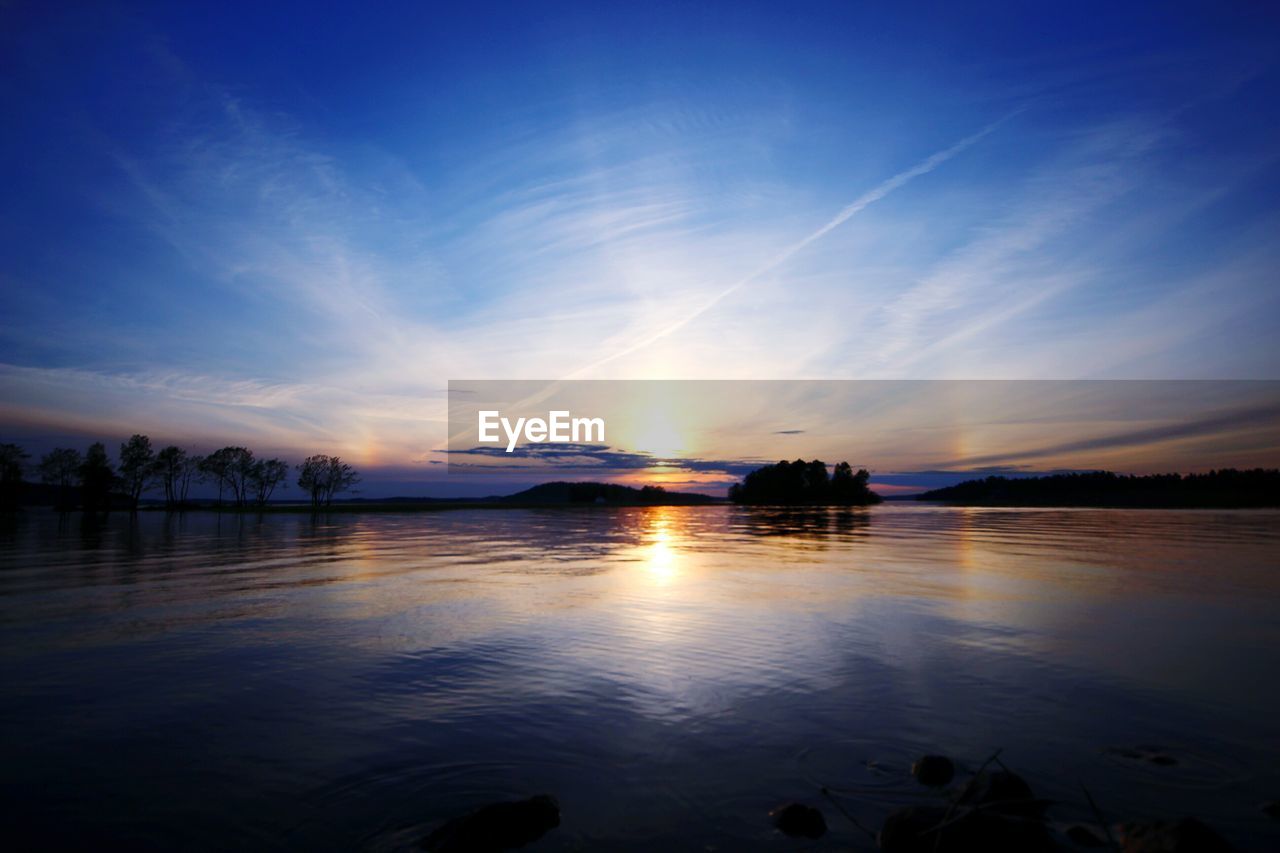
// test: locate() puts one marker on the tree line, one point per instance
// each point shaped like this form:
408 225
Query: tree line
91 480
1225 487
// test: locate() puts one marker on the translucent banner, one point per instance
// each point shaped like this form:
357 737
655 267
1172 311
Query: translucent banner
908 434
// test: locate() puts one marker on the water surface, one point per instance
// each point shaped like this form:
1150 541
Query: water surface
201 682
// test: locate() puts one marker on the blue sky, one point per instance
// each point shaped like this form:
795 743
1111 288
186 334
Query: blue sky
290 227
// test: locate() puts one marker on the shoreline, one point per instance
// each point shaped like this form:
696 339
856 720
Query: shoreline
447 505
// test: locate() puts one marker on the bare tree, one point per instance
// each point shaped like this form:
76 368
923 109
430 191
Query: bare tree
213 468
189 470
169 466
341 478
324 476
238 472
230 468
137 467
13 466
265 476
60 467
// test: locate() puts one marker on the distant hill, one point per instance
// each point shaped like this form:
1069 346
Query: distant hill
553 493
1226 488
605 493
545 494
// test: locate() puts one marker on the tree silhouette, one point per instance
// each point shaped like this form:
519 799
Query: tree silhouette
230 468
169 462
213 468
239 470
187 471
60 468
801 482
13 465
137 467
174 468
265 476
96 479
323 476
846 486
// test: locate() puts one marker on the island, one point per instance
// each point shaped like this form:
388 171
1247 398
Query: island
805 484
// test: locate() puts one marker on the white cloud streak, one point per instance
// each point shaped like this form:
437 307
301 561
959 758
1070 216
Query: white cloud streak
864 201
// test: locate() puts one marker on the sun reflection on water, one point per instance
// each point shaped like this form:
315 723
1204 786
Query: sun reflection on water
659 552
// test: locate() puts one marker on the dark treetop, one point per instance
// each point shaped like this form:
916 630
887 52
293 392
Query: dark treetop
807 483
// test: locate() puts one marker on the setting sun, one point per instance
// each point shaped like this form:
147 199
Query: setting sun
655 432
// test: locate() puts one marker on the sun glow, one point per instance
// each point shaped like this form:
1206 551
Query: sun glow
659 437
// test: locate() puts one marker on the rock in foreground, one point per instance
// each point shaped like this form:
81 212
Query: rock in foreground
1002 792
1171 836
937 829
496 827
933 770
1083 836
799 821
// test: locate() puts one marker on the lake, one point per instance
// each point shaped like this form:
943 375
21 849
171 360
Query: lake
206 682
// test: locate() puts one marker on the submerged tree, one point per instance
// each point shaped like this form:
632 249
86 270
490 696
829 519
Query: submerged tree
323 476
265 476
213 469
189 470
230 468
238 472
175 468
13 466
13 463
60 468
137 467
169 462
96 479
801 482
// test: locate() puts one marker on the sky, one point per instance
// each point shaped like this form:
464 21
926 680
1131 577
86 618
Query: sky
911 435
290 226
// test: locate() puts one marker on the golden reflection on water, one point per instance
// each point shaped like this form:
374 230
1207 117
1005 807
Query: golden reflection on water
966 559
659 553
706 645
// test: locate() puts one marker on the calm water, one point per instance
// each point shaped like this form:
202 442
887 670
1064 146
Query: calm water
669 674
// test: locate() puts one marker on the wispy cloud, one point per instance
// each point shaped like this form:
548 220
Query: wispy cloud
859 204
1262 418
231 271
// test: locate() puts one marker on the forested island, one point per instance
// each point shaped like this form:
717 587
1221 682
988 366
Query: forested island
804 483
1226 488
